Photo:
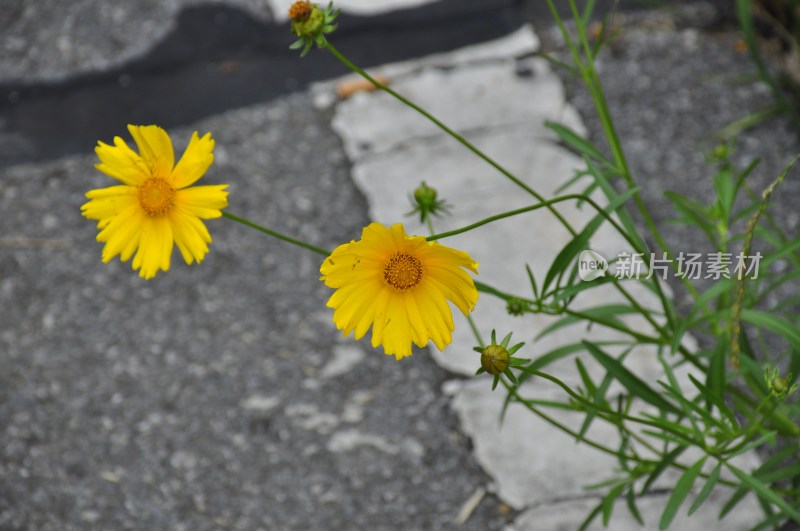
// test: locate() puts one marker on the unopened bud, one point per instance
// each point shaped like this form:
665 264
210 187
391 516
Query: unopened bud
425 195
494 359
516 307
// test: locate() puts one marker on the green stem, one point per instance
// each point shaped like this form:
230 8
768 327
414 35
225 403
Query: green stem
278 235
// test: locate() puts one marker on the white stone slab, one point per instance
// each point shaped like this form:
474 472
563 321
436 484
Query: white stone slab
357 7
568 515
529 460
485 95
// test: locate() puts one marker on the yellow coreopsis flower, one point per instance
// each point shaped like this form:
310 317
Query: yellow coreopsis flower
156 204
399 285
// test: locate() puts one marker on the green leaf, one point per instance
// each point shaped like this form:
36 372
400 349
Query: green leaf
601 314
630 381
591 516
555 355
767 437
584 374
533 282
630 499
693 214
622 212
711 482
661 467
599 397
575 141
581 241
716 378
763 490
737 496
679 493
609 500
726 193
776 324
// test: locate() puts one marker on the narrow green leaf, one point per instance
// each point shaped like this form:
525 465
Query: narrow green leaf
773 323
630 499
591 516
601 314
716 400
533 282
679 493
584 374
575 141
711 482
716 378
622 213
768 437
581 241
737 496
661 467
763 490
599 398
609 501
630 381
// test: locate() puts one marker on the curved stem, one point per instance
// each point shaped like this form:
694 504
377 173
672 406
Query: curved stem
447 130
289 239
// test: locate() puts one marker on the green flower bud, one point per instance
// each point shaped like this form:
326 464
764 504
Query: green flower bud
721 152
778 385
425 196
516 307
495 359
426 203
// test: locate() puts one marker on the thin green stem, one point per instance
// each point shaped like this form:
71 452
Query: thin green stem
289 239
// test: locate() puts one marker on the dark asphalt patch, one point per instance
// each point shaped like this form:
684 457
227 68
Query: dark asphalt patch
220 58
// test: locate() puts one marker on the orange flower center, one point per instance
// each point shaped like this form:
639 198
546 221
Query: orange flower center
156 196
300 11
403 271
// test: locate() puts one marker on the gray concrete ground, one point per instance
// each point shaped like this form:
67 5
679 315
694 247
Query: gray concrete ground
220 396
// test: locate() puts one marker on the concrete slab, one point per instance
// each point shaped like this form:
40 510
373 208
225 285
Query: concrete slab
280 8
463 98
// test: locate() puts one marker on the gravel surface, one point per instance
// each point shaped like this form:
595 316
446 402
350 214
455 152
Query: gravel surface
52 40
216 396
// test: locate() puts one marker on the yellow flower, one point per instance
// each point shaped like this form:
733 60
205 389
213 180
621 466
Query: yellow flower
399 285
156 204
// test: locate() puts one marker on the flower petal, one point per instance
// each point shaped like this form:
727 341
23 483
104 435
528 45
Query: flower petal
121 162
194 162
155 247
205 202
155 148
108 202
119 231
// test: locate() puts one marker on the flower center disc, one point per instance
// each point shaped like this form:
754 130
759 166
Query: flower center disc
156 196
402 271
